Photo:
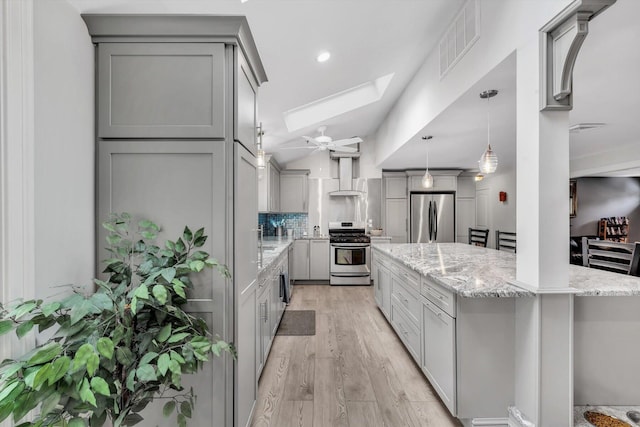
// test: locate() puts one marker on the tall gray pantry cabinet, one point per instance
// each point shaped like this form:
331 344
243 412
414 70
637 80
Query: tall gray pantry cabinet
176 133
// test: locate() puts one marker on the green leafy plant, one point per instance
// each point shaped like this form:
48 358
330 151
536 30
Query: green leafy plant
119 348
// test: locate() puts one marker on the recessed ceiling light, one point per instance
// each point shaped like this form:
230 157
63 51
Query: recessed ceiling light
323 56
243 1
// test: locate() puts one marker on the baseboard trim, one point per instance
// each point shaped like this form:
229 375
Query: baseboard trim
490 422
517 418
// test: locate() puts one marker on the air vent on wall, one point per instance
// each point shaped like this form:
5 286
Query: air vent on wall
460 36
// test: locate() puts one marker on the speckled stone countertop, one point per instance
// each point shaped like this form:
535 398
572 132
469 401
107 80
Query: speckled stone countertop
273 247
311 237
620 412
476 272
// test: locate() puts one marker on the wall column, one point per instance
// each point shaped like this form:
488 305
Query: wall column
16 161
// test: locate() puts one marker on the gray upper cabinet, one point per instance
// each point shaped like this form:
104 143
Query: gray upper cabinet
245 130
395 187
294 190
144 90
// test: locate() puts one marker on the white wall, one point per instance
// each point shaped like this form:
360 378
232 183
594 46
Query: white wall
64 148
321 166
505 25
501 215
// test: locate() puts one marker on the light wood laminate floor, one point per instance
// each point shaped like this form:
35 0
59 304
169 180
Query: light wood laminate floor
354 372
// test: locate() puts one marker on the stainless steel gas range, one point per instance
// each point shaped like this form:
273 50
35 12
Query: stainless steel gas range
350 254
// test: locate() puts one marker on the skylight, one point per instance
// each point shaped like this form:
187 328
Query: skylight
336 104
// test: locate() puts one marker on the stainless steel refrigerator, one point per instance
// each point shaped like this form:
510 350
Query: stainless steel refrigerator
433 217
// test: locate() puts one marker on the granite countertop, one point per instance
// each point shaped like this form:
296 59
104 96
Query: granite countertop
620 412
476 272
311 237
273 247
469 271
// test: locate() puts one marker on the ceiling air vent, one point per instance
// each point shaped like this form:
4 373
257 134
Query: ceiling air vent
460 36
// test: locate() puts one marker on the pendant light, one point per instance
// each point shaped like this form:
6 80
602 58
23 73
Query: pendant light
260 161
488 161
427 179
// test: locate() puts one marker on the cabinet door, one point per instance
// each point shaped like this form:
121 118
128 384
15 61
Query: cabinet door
466 217
396 220
293 192
384 277
161 90
395 187
440 183
246 105
377 290
276 302
301 257
132 177
319 260
264 326
439 353
245 275
274 189
263 189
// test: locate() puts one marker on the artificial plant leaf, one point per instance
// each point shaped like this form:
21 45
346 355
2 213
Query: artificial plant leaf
9 370
92 364
168 274
82 356
24 328
105 347
163 364
177 337
196 266
5 410
50 403
59 369
146 373
131 380
182 421
124 356
200 241
45 353
22 309
50 308
77 422
141 292
148 358
168 408
80 311
100 386
164 333
187 235
132 419
5 326
185 408
176 356
6 391
41 376
86 395
160 293
101 301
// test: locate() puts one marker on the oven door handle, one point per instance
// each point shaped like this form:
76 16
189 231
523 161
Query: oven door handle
349 247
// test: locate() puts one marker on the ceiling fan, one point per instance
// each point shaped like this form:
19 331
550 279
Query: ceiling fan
324 142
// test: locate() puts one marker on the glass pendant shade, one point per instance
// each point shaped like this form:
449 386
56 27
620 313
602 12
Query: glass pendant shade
479 177
427 180
488 162
260 158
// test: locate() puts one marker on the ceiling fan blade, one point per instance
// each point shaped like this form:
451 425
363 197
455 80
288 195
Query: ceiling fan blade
311 140
343 149
347 141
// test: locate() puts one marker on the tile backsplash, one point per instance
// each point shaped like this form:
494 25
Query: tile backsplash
296 221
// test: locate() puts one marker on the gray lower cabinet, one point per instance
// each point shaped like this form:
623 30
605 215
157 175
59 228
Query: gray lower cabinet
439 352
263 327
319 259
301 257
383 289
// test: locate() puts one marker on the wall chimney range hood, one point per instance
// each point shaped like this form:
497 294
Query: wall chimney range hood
346 175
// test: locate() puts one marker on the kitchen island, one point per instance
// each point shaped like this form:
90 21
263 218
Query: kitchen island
453 306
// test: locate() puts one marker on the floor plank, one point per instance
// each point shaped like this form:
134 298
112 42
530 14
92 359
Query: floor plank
329 406
354 372
364 414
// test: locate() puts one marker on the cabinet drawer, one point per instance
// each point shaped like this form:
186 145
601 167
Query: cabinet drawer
409 277
438 295
406 330
407 298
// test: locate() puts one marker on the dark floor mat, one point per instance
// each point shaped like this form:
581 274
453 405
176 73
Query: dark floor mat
298 322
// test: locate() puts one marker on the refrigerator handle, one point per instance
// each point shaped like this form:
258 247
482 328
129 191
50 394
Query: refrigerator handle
435 220
430 222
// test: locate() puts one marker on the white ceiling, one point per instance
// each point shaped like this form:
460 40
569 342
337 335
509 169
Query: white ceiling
367 40
371 38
